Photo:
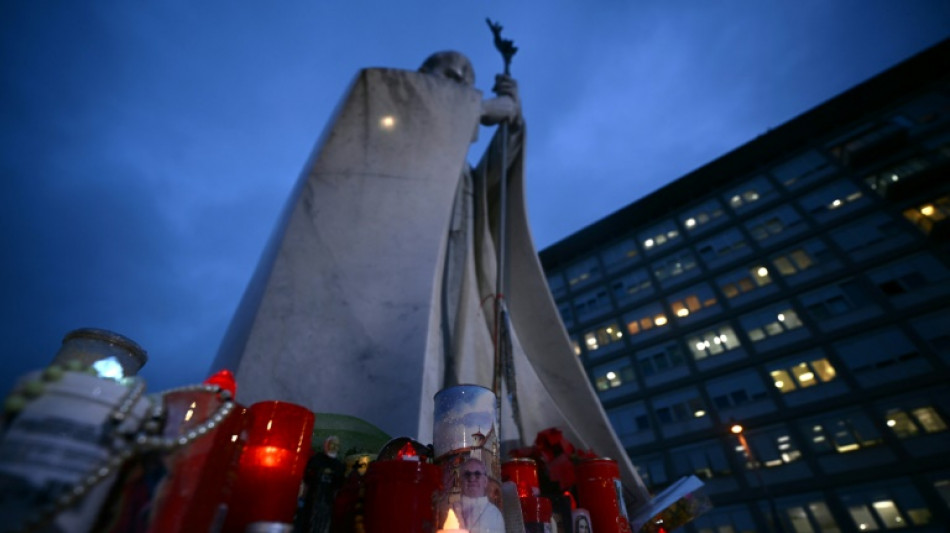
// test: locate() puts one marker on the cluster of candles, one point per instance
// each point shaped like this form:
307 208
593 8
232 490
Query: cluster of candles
237 469
250 467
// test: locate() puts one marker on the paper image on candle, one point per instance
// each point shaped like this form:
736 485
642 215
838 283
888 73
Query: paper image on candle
465 419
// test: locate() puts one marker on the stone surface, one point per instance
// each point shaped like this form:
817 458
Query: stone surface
336 316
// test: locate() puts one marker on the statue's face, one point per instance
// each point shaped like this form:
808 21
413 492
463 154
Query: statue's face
451 66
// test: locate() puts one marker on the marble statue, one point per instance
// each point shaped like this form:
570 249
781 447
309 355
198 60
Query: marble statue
375 290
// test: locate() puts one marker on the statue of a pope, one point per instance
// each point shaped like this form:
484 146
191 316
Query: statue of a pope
376 288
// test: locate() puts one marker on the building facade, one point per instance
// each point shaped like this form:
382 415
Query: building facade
798 287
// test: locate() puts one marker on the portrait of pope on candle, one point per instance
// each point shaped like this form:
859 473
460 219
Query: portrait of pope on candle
474 511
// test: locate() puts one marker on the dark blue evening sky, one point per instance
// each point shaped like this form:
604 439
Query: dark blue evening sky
147 147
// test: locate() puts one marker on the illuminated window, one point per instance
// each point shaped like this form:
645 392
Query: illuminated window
885 181
691 301
842 433
782 380
823 370
681 406
744 280
928 215
862 518
830 201
770 448
900 423
793 261
808 514
905 424
770 322
657 236
802 375
712 342
646 319
600 337
613 376
889 514
704 216
895 505
749 193
928 418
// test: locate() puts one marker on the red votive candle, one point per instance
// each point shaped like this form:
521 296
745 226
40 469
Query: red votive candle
536 511
600 492
523 472
399 496
200 474
272 464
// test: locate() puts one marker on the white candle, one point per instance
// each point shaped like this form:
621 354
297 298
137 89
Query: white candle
451 524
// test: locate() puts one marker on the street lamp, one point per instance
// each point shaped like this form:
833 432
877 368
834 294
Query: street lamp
737 430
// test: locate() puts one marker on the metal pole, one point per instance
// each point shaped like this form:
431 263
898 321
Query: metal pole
507 49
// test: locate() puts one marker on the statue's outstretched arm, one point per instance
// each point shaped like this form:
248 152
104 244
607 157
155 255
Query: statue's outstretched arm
504 107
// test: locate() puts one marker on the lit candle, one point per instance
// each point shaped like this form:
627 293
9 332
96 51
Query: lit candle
407 453
451 524
271 466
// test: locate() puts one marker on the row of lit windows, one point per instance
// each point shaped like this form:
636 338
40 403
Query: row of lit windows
726 393
868 235
866 143
920 274
759 325
779 224
871 358
897 505
803 375
829 435
637 285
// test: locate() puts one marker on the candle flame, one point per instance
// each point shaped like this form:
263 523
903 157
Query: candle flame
451 521
407 453
270 456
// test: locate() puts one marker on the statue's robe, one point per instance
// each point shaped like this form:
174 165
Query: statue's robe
375 290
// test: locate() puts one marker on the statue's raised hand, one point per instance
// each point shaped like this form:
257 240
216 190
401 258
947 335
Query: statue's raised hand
504 107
